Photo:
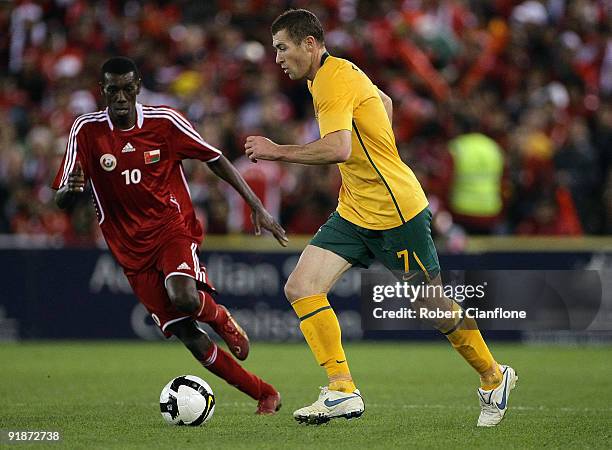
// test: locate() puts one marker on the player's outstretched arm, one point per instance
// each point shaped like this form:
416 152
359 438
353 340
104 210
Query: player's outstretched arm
260 216
66 196
333 148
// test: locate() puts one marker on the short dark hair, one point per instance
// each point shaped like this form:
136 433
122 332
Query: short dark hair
119 65
299 23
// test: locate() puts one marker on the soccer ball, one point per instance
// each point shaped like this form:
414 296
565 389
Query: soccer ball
187 400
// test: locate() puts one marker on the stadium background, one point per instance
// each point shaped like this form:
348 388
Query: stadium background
535 76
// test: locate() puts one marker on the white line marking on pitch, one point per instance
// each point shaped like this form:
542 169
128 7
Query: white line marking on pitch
388 405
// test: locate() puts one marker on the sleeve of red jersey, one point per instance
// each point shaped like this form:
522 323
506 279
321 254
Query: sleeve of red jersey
186 142
70 158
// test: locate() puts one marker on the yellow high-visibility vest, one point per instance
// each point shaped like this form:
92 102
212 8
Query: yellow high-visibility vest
478 169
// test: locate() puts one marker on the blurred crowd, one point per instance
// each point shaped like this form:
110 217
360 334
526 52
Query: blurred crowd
533 77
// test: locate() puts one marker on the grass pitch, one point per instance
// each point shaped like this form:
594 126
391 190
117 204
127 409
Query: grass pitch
105 395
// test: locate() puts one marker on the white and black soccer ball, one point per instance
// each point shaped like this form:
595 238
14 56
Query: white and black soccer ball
187 400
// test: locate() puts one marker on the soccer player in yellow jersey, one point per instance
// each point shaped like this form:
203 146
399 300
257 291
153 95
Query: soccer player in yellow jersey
382 214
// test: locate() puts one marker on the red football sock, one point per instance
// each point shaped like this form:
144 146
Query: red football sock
209 311
223 365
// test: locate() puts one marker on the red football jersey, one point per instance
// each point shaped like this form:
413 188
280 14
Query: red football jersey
138 185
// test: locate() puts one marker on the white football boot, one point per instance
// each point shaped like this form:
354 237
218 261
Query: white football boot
331 405
494 403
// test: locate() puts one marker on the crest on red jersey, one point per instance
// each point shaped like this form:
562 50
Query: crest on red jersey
108 162
152 156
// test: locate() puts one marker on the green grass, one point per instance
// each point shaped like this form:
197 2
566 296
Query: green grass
105 395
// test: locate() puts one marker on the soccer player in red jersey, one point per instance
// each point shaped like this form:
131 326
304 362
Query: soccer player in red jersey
131 155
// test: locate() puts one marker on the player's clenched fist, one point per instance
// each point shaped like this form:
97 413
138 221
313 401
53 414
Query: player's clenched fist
259 147
76 179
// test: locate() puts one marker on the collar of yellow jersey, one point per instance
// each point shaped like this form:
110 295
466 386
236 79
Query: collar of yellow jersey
324 56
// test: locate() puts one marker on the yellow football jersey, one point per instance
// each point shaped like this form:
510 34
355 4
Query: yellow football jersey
378 190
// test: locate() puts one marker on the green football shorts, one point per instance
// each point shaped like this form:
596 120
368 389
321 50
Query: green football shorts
408 247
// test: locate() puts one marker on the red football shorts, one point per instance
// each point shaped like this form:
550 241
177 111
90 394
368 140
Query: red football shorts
178 257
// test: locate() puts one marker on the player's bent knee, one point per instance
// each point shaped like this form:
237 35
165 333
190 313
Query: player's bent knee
185 301
290 292
183 294
294 289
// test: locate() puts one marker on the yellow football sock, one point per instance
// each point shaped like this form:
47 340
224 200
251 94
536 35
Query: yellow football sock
492 380
321 329
468 341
